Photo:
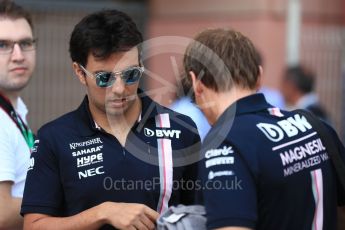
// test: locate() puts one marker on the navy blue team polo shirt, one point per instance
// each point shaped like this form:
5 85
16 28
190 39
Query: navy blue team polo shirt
267 169
75 165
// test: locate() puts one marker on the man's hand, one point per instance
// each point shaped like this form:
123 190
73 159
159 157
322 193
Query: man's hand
129 215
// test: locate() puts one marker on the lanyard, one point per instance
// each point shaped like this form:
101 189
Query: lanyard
24 129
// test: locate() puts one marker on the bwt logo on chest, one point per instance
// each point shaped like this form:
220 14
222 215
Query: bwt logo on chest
290 126
162 133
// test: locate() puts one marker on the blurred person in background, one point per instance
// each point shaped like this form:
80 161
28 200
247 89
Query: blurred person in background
273 96
298 89
112 163
184 104
267 175
17 63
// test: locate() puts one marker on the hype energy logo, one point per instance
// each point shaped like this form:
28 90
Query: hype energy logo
162 133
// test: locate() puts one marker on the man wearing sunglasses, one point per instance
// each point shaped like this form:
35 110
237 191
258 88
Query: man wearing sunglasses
17 62
112 162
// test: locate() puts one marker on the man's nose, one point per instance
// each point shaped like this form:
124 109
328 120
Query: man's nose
119 86
17 53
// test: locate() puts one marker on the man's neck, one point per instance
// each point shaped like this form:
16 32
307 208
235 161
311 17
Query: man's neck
12 97
126 120
225 99
118 125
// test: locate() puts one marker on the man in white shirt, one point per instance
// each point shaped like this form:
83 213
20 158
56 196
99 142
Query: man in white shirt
17 62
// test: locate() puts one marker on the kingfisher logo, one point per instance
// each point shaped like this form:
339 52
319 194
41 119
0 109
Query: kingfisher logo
162 133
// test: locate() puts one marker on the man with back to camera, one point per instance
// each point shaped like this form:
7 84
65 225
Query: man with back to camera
274 169
17 62
86 161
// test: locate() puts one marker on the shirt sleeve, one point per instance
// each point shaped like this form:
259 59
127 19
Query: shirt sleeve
229 189
7 151
340 189
341 149
43 190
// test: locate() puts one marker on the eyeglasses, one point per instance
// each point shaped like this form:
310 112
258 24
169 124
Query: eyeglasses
6 46
106 79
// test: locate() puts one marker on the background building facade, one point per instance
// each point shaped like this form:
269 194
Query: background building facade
167 26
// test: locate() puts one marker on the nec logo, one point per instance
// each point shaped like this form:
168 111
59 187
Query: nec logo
291 127
162 133
91 172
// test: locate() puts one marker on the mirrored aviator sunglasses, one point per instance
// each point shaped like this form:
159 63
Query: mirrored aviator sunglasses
106 79
129 76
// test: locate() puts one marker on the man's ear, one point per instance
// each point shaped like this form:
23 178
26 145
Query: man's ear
79 73
196 83
260 78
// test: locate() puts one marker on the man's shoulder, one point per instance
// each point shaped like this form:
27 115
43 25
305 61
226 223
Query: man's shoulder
65 121
181 121
6 121
253 129
169 123
4 116
176 118
179 115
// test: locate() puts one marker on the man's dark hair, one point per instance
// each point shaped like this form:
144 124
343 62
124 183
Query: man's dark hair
301 78
9 9
223 58
103 33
